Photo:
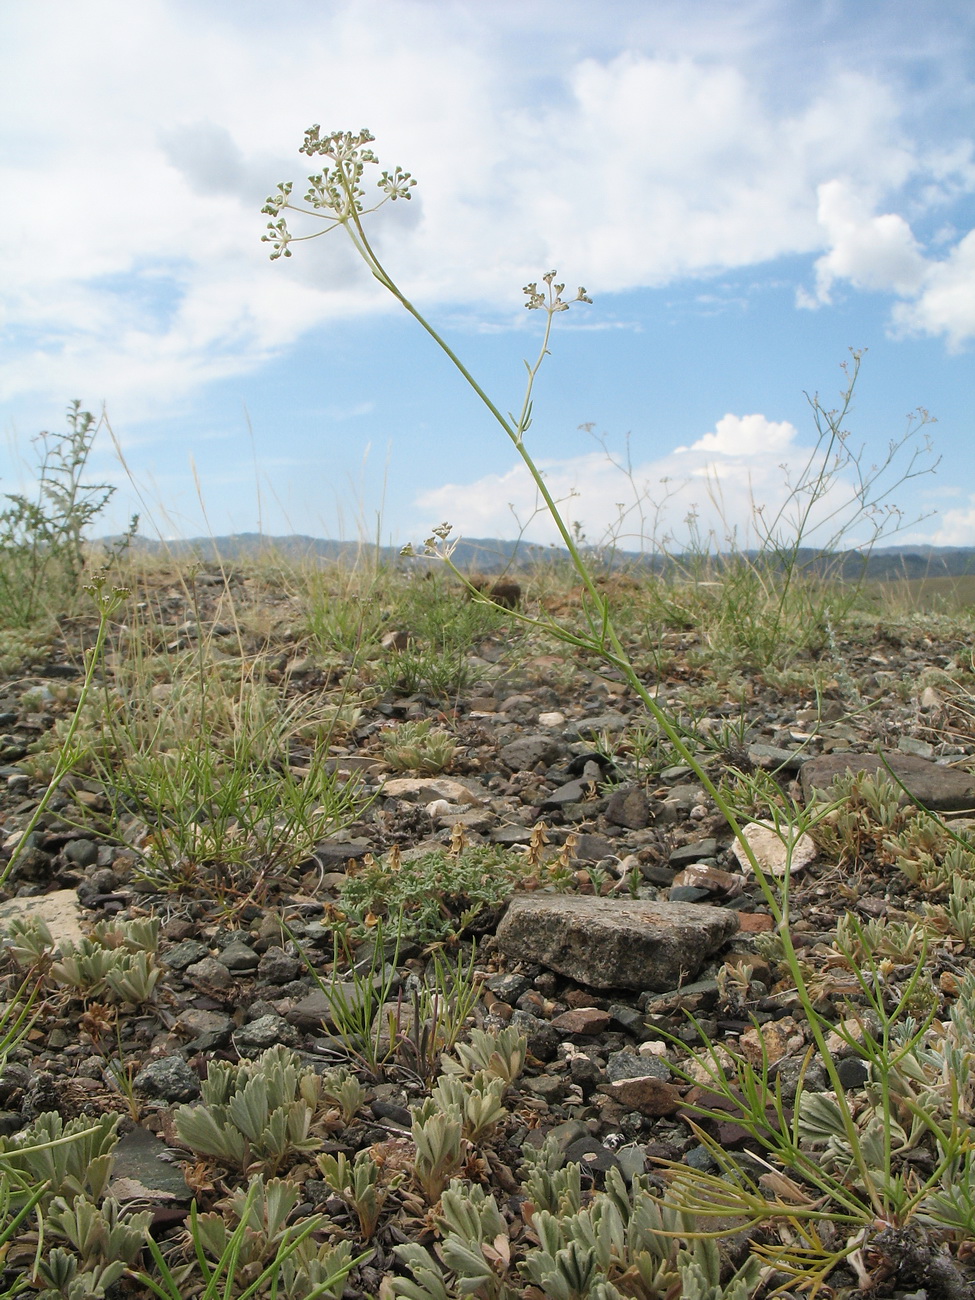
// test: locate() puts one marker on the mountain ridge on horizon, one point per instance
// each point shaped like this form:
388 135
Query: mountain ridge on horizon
491 555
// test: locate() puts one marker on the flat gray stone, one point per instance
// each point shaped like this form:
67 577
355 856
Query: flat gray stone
941 789
629 807
631 1065
278 967
144 1170
772 757
239 956
169 1078
209 1029
527 752
571 792
210 972
697 852
264 1032
425 789
335 852
184 954
609 943
586 728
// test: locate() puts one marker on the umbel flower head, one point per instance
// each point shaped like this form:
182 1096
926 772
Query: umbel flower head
335 192
550 299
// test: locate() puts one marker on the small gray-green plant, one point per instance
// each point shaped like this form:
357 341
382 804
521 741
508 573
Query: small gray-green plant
360 1184
141 934
83 967
342 1089
253 1251
29 942
255 1114
417 747
67 1158
501 1055
61 1277
104 1238
931 855
477 1100
551 1182
475 1247
438 1137
959 908
113 959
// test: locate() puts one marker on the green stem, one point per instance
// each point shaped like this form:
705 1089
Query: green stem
513 430
605 642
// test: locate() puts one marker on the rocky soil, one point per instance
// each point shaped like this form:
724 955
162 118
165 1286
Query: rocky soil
652 914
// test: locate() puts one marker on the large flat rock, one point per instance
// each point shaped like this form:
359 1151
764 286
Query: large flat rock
60 911
941 789
608 943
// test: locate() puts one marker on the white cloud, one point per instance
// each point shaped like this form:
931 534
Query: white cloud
146 137
746 435
954 527
880 253
946 303
870 252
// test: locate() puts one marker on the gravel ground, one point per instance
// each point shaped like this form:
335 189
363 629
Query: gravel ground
634 848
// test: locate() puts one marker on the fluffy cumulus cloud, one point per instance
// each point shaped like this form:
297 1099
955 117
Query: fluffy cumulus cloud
737 484
146 137
945 304
871 252
955 527
746 435
879 252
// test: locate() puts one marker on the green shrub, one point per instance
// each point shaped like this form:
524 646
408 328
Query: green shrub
42 554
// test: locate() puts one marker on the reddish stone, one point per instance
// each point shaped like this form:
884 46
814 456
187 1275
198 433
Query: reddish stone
582 1020
650 1096
754 922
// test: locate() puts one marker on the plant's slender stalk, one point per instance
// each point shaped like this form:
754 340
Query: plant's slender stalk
337 192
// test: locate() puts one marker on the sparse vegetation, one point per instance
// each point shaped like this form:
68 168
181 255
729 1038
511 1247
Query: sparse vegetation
363 1100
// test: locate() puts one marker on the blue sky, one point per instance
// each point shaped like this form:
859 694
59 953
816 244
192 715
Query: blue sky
747 190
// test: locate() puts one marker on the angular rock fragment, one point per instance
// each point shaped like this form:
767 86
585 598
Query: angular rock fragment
424 789
647 1095
772 851
582 1020
527 752
629 807
614 943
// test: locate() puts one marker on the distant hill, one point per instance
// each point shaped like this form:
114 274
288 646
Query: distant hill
491 555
